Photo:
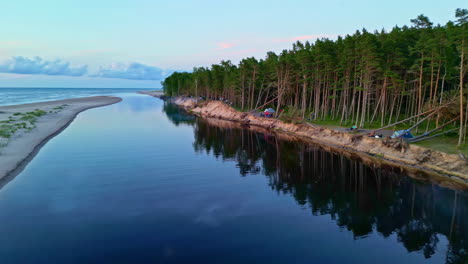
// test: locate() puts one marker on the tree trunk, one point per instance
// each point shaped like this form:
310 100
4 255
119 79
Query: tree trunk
462 130
304 96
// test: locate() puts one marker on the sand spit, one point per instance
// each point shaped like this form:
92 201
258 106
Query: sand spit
413 157
26 128
157 94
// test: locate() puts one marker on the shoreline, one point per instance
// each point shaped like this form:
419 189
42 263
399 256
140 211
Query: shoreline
368 160
32 125
441 166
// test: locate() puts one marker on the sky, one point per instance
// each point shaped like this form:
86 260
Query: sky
136 43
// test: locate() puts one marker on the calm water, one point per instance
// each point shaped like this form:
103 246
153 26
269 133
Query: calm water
141 182
11 96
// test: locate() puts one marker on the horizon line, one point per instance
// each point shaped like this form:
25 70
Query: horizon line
29 87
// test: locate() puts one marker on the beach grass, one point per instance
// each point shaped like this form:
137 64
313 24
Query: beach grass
22 121
6 131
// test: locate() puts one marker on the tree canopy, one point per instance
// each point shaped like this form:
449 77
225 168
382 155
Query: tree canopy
360 78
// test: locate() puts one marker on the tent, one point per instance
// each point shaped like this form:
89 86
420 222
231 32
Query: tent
270 110
402 134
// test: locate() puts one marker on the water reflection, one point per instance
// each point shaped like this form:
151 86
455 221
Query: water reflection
360 198
177 115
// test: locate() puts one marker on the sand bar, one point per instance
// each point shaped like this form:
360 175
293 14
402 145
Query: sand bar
25 128
157 94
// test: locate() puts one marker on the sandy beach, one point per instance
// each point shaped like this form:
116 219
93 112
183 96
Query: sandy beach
25 128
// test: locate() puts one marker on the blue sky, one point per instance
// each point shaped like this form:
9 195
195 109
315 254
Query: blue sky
116 43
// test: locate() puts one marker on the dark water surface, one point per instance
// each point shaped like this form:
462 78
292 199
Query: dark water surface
141 182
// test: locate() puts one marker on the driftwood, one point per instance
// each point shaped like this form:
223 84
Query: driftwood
434 130
251 111
417 124
307 123
430 112
436 135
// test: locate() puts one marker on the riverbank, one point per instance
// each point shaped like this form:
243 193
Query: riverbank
25 128
414 157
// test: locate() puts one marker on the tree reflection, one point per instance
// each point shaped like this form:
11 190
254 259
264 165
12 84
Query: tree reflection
177 115
358 197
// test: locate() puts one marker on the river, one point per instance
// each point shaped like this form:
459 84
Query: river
141 181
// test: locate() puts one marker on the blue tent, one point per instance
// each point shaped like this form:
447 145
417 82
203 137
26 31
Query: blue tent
403 134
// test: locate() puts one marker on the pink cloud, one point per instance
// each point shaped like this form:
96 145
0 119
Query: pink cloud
225 45
242 52
235 49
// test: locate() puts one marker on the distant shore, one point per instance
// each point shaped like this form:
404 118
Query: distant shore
25 128
157 94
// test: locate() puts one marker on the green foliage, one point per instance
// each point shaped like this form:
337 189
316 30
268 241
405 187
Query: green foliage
28 117
20 121
6 131
368 79
37 113
60 107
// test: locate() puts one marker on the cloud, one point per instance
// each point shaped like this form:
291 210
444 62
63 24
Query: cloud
224 45
132 71
36 65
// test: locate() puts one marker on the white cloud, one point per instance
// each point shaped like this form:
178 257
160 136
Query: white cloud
36 65
20 65
132 71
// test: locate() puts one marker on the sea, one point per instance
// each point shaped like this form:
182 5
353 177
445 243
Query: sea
13 96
